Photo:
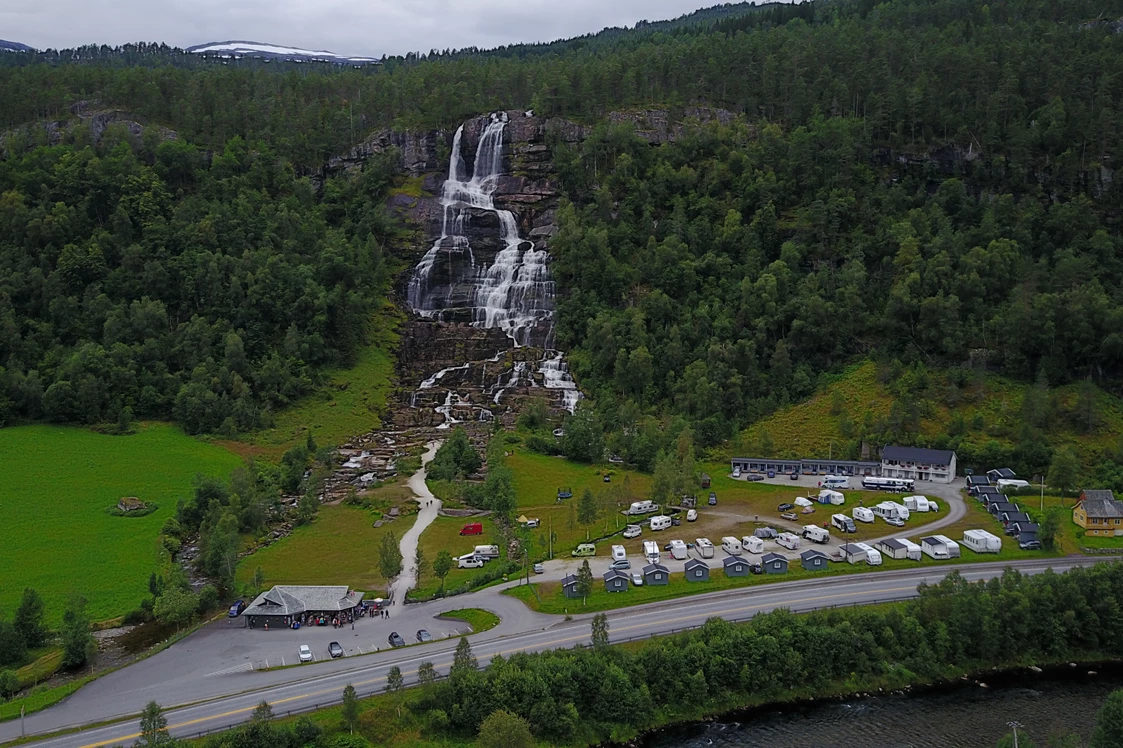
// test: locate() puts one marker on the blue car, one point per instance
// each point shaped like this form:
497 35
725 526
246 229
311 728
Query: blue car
237 608
771 473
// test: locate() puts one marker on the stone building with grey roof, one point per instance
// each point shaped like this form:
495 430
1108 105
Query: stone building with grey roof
284 604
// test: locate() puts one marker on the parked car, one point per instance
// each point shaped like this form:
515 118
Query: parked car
736 472
1030 545
335 650
396 640
531 523
785 507
691 515
790 516
632 531
237 608
539 569
794 475
771 473
895 521
621 564
305 653
755 476
637 579
469 562
713 499
424 636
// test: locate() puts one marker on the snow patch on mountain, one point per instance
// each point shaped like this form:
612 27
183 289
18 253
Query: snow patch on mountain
237 49
6 46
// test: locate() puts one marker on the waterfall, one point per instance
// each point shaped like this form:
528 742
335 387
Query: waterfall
502 282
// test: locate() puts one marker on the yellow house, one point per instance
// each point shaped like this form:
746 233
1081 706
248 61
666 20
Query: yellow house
1099 513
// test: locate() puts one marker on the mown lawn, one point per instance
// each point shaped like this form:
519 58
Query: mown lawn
444 535
340 547
478 619
55 486
348 404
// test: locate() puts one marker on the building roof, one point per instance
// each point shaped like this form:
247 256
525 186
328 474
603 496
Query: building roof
569 579
694 563
770 557
1027 527
812 553
289 600
917 454
1003 473
1098 493
1015 517
652 568
851 549
733 561
614 574
892 543
978 480
1102 508
987 489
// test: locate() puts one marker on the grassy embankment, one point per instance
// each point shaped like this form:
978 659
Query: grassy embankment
990 409
479 620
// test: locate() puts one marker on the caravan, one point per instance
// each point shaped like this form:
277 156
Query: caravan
917 504
902 511
863 514
981 541
642 507
660 522
827 496
619 553
887 510
873 556
678 550
951 546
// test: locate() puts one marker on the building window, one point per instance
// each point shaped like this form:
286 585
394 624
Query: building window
697 572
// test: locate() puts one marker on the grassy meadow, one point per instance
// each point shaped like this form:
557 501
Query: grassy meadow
55 486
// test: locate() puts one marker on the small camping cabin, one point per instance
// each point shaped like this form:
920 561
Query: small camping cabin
569 586
813 560
735 566
774 563
656 574
615 581
697 570
852 553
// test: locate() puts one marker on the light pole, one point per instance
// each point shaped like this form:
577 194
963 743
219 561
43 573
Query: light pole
1014 725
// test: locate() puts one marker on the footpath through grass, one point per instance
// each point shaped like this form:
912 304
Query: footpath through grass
55 486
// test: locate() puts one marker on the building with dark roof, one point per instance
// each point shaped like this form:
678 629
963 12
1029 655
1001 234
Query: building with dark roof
656 574
735 566
813 560
615 581
697 570
283 605
569 586
1099 513
918 463
774 563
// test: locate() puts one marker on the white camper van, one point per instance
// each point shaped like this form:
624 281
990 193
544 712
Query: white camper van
487 551
981 541
863 514
651 551
788 540
816 534
642 507
752 544
704 547
619 553
843 523
678 550
835 481
731 545
660 522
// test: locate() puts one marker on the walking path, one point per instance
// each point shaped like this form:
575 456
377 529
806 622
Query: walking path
430 506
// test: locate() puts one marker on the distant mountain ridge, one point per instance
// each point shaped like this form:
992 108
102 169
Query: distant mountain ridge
240 49
6 46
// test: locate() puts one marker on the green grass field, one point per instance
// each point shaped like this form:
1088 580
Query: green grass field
479 620
444 535
349 403
55 486
340 547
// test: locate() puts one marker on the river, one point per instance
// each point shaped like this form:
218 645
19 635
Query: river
969 716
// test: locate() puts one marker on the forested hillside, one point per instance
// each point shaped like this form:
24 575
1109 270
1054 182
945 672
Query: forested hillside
922 182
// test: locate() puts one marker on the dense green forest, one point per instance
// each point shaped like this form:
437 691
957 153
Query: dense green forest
922 181
142 277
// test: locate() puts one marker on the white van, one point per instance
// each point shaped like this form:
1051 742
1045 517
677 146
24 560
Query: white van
835 481
632 531
660 522
816 534
487 551
469 561
704 547
752 544
678 550
642 507
863 514
731 545
619 553
788 540
651 551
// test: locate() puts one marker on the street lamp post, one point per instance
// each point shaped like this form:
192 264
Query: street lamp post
1014 725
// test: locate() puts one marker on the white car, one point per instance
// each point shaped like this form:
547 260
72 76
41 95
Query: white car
895 521
632 531
691 515
469 562
637 579
305 653
736 472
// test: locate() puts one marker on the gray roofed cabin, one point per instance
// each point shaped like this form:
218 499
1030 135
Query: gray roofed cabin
284 604
656 574
813 560
569 586
615 581
735 566
697 570
774 563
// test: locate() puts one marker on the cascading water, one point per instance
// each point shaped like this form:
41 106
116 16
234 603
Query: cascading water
512 291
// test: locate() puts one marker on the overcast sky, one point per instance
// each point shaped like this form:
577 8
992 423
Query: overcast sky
351 27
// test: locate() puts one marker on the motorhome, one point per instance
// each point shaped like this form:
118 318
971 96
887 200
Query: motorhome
873 556
916 504
874 483
585 549
642 507
788 540
835 481
678 550
660 522
827 496
731 545
487 551
843 523
863 514
816 534
752 544
981 541
704 547
619 553
651 551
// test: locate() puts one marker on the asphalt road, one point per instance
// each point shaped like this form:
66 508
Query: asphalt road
222 700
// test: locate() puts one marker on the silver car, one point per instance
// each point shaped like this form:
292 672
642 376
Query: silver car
621 564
